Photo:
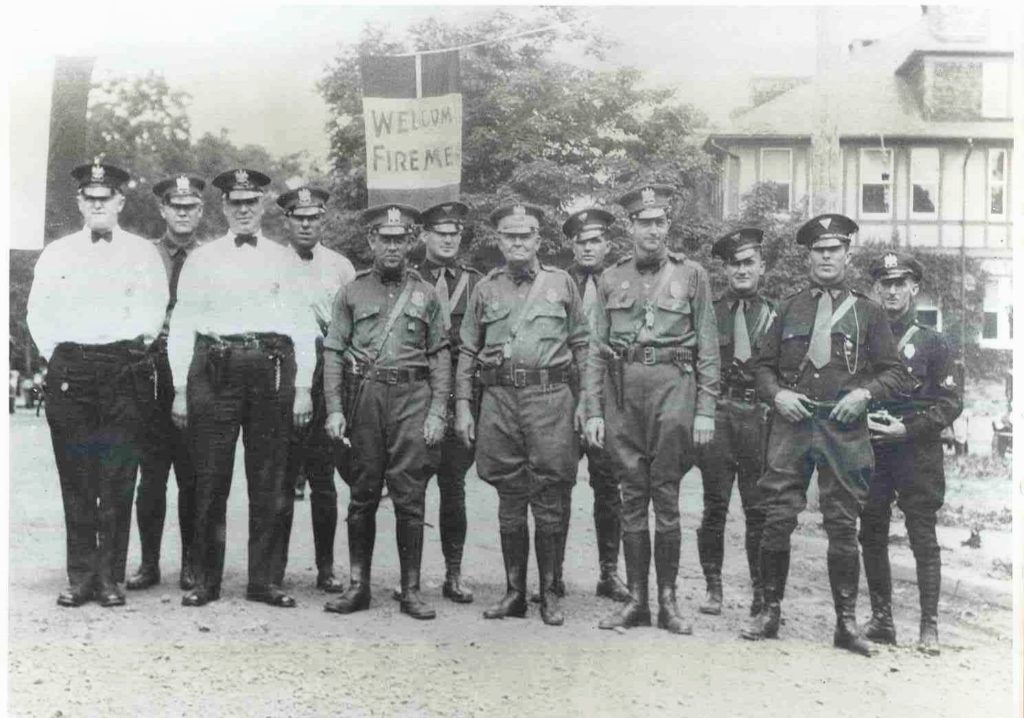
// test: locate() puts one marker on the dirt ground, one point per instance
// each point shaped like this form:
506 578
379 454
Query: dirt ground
235 658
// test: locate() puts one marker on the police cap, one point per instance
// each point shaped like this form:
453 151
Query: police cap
893 265
98 180
241 184
519 218
648 201
303 202
390 219
733 246
182 189
826 230
444 218
587 223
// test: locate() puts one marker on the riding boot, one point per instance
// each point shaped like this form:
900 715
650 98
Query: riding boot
774 571
453 589
150 533
929 581
666 566
515 549
186 579
844 575
636 549
409 536
874 541
609 536
710 549
362 532
324 516
548 557
753 548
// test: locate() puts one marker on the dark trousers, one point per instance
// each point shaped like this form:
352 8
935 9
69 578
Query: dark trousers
451 485
99 397
734 456
650 442
912 474
842 453
247 398
528 451
164 446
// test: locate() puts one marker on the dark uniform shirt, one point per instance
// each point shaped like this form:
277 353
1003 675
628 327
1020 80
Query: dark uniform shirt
759 314
933 395
430 271
417 337
681 315
552 336
863 350
173 256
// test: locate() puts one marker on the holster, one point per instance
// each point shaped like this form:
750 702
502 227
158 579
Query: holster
141 371
351 391
616 372
218 357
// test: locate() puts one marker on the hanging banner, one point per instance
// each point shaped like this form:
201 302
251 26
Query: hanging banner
412 113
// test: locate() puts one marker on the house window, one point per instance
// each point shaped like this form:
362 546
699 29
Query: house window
995 90
928 317
924 177
777 168
876 182
990 325
997 183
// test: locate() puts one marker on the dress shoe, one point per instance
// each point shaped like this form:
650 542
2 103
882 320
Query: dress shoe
200 597
453 589
272 596
109 595
355 598
75 596
186 579
147 576
329 584
611 586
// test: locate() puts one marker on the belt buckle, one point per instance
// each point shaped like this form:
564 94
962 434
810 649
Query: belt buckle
649 357
749 394
519 378
392 376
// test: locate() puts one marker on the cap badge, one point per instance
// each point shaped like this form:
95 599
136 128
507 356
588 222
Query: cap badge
950 381
447 208
241 177
394 215
583 217
519 210
305 196
182 184
647 196
98 173
825 222
891 261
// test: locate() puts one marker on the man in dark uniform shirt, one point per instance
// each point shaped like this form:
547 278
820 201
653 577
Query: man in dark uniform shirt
828 353
587 230
736 452
908 453
387 349
164 445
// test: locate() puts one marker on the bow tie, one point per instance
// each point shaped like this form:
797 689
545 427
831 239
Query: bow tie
391 276
241 239
304 253
526 274
652 264
106 236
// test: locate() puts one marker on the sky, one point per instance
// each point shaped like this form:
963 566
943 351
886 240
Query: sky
253 69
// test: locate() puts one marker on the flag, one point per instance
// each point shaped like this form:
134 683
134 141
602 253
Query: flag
412 112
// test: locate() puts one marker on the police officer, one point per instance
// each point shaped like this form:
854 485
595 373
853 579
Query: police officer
387 349
181 206
828 353
523 331
908 453
241 350
453 281
587 229
651 394
735 455
322 272
100 381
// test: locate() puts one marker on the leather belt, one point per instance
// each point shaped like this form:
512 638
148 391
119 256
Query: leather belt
507 376
127 348
655 355
388 375
251 340
739 394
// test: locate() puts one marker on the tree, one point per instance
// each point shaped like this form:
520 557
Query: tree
536 128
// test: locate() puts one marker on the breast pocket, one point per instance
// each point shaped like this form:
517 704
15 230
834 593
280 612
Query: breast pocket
415 330
495 323
620 314
365 319
672 317
547 320
796 338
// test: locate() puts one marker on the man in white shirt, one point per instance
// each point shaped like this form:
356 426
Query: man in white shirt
241 350
97 300
322 273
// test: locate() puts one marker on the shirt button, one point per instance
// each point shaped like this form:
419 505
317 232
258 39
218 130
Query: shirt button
816 375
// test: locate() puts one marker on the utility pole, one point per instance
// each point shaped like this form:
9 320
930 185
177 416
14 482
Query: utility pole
826 154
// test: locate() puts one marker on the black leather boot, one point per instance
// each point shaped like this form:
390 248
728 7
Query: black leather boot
325 524
753 549
515 549
874 541
548 557
362 532
774 572
609 536
186 579
844 575
666 566
451 546
148 573
636 549
710 549
929 582
410 553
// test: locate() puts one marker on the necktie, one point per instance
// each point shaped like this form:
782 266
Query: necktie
241 239
821 337
590 300
740 336
304 253
178 261
106 236
443 298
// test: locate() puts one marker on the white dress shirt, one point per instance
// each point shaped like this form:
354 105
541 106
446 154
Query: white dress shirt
97 292
322 277
229 289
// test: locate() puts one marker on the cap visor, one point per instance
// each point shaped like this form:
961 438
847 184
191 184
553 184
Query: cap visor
649 213
183 199
306 211
590 234
243 194
826 242
98 192
392 230
444 228
744 252
516 231
894 274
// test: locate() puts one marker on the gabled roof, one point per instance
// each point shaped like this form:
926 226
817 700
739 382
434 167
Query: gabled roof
870 98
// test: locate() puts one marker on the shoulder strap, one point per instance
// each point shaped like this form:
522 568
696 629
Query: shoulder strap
763 319
907 336
460 289
396 310
843 308
521 317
